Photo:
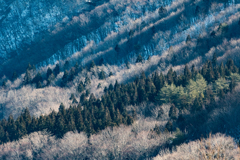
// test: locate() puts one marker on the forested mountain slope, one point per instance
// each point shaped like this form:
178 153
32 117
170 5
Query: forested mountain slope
127 79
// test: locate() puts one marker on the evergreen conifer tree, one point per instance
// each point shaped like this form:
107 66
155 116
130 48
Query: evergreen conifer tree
80 126
119 119
49 72
59 127
37 78
11 128
27 78
92 64
222 70
232 85
80 87
14 76
214 60
2 134
87 81
139 59
56 70
169 126
188 39
39 85
102 75
65 78
160 113
173 113
33 125
41 123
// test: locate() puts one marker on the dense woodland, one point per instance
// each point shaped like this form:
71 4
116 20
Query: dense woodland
129 79
194 90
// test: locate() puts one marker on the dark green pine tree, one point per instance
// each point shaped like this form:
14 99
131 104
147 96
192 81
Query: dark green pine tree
49 72
50 79
197 104
214 60
204 70
66 65
112 112
83 98
89 126
126 99
227 71
29 67
74 100
41 123
65 78
222 70
11 128
141 95
80 87
170 76
208 94
27 118
101 111
37 78
173 112
159 82
2 135
210 77
134 114
107 121
72 96
193 71
72 74
70 123
129 120
157 129
119 118
110 87
232 85
150 90
175 78
116 86
187 75
6 139
27 78
221 94
76 66
4 84
188 39
50 121
169 126
92 98
80 126
39 85
59 127
139 59
102 75
62 110
14 76
92 65
216 73
160 113
56 70
110 74
33 126
21 129
87 81
230 65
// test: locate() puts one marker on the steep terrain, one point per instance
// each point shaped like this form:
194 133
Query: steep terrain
135 78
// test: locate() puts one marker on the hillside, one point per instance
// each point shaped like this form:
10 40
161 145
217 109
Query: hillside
123 79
